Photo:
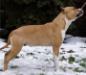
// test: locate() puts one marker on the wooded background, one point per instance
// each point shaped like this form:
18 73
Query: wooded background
15 13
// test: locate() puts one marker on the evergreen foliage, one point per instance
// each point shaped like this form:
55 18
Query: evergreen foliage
15 13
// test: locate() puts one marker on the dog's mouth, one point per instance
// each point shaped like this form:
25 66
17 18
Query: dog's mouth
80 13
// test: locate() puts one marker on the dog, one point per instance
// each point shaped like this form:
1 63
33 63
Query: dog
49 34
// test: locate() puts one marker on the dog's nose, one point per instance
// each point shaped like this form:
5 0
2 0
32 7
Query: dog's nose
80 12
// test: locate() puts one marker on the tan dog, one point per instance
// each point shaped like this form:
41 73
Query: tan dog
51 33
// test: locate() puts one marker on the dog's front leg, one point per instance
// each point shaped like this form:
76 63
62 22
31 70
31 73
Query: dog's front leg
55 57
56 48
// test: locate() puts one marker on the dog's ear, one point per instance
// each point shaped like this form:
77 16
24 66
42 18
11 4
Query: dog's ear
60 8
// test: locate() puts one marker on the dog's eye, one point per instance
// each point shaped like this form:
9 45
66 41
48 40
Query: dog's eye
74 8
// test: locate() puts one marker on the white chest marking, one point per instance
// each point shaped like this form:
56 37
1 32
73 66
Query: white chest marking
63 34
68 23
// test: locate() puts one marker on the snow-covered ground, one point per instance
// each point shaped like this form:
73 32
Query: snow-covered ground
38 60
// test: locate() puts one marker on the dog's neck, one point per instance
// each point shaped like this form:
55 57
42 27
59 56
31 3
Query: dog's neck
67 23
63 23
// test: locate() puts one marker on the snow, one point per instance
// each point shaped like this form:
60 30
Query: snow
38 60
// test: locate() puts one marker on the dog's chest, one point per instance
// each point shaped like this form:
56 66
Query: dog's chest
63 34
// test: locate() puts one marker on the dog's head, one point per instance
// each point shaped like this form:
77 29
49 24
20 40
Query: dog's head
72 12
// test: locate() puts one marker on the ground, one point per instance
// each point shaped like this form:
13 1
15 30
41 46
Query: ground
38 60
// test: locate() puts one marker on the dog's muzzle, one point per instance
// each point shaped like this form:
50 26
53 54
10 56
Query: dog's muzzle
80 13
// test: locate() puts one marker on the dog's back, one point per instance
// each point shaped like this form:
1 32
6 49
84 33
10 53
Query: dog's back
36 35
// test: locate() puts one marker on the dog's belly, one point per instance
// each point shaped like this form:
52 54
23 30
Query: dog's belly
39 44
31 43
38 41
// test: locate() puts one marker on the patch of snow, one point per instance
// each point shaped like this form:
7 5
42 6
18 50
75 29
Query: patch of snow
38 60
2 54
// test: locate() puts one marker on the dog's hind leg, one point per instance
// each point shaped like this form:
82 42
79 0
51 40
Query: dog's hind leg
16 47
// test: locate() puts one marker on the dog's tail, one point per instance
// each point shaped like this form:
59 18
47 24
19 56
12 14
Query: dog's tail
5 46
